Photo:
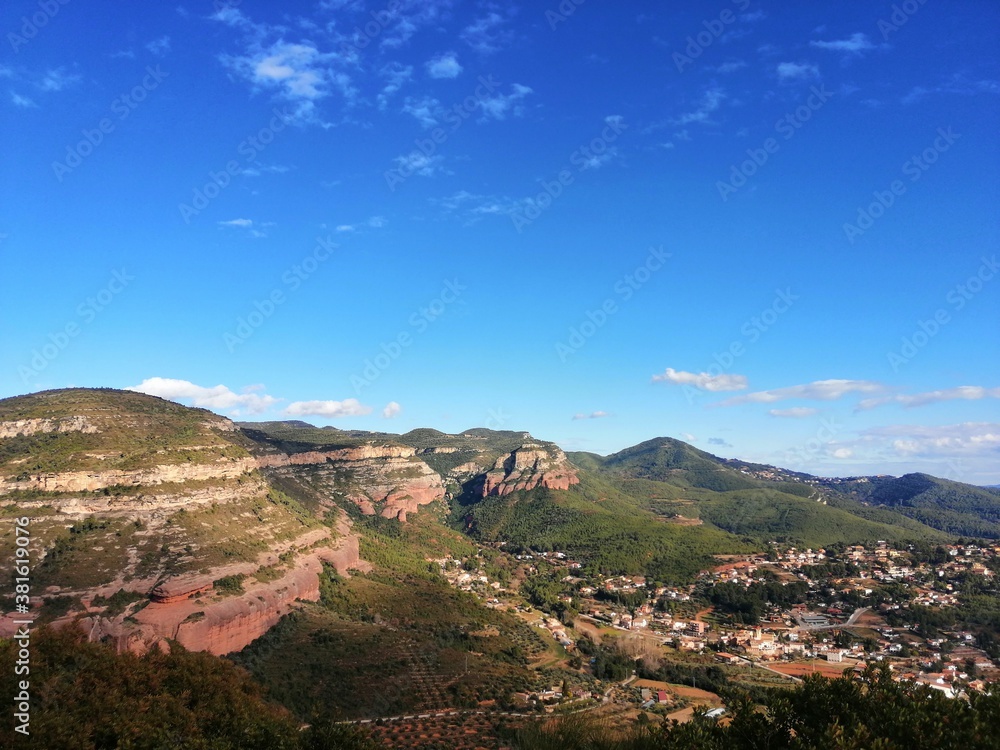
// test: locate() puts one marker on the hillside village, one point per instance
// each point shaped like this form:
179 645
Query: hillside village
846 607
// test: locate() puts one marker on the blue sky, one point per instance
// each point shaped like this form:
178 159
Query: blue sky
769 231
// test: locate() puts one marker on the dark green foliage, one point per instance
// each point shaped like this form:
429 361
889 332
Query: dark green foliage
669 460
748 604
118 602
84 696
875 713
602 528
950 506
230 584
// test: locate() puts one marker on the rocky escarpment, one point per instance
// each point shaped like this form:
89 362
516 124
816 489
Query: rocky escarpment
191 610
530 466
386 479
91 481
199 623
25 427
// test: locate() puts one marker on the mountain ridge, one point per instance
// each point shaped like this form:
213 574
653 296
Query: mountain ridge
207 531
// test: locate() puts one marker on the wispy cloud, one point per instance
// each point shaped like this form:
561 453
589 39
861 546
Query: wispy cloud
57 80
592 415
956 85
710 102
499 106
417 162
397 75
820 390
796 412
254 229
488 34
795 71
965 439
349 407
702 380
21 101
159 47
962 392
730 67
425 109
856 44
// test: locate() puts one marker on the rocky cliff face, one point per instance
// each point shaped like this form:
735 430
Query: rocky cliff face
528 467
91 481
25 427
385 479
200 622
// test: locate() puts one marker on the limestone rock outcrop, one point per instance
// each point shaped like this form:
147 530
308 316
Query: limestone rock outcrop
386 479
89 481
528 467
14 428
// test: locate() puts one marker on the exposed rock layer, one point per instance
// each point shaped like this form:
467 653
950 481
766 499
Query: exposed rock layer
528 467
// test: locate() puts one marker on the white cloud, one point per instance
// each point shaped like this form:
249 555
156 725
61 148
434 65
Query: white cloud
159 47
703 380
215 397
487 35
820 390
956 84
962 392
300 73
444 66
710 102
345 227
592 415
499 106
249 225
57 80
856 44
392 409
790 71
349 407
376 222
425 109
688 437
842 453
731 66
419 163
397 75
796 412
965 439
472 207
21 101
262 169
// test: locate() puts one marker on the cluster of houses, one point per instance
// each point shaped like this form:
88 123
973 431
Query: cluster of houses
796 632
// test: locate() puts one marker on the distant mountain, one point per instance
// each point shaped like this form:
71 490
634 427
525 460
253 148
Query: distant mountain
954 507
679 481
670 460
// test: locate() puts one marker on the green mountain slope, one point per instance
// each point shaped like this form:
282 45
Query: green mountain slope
676 480
953 507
